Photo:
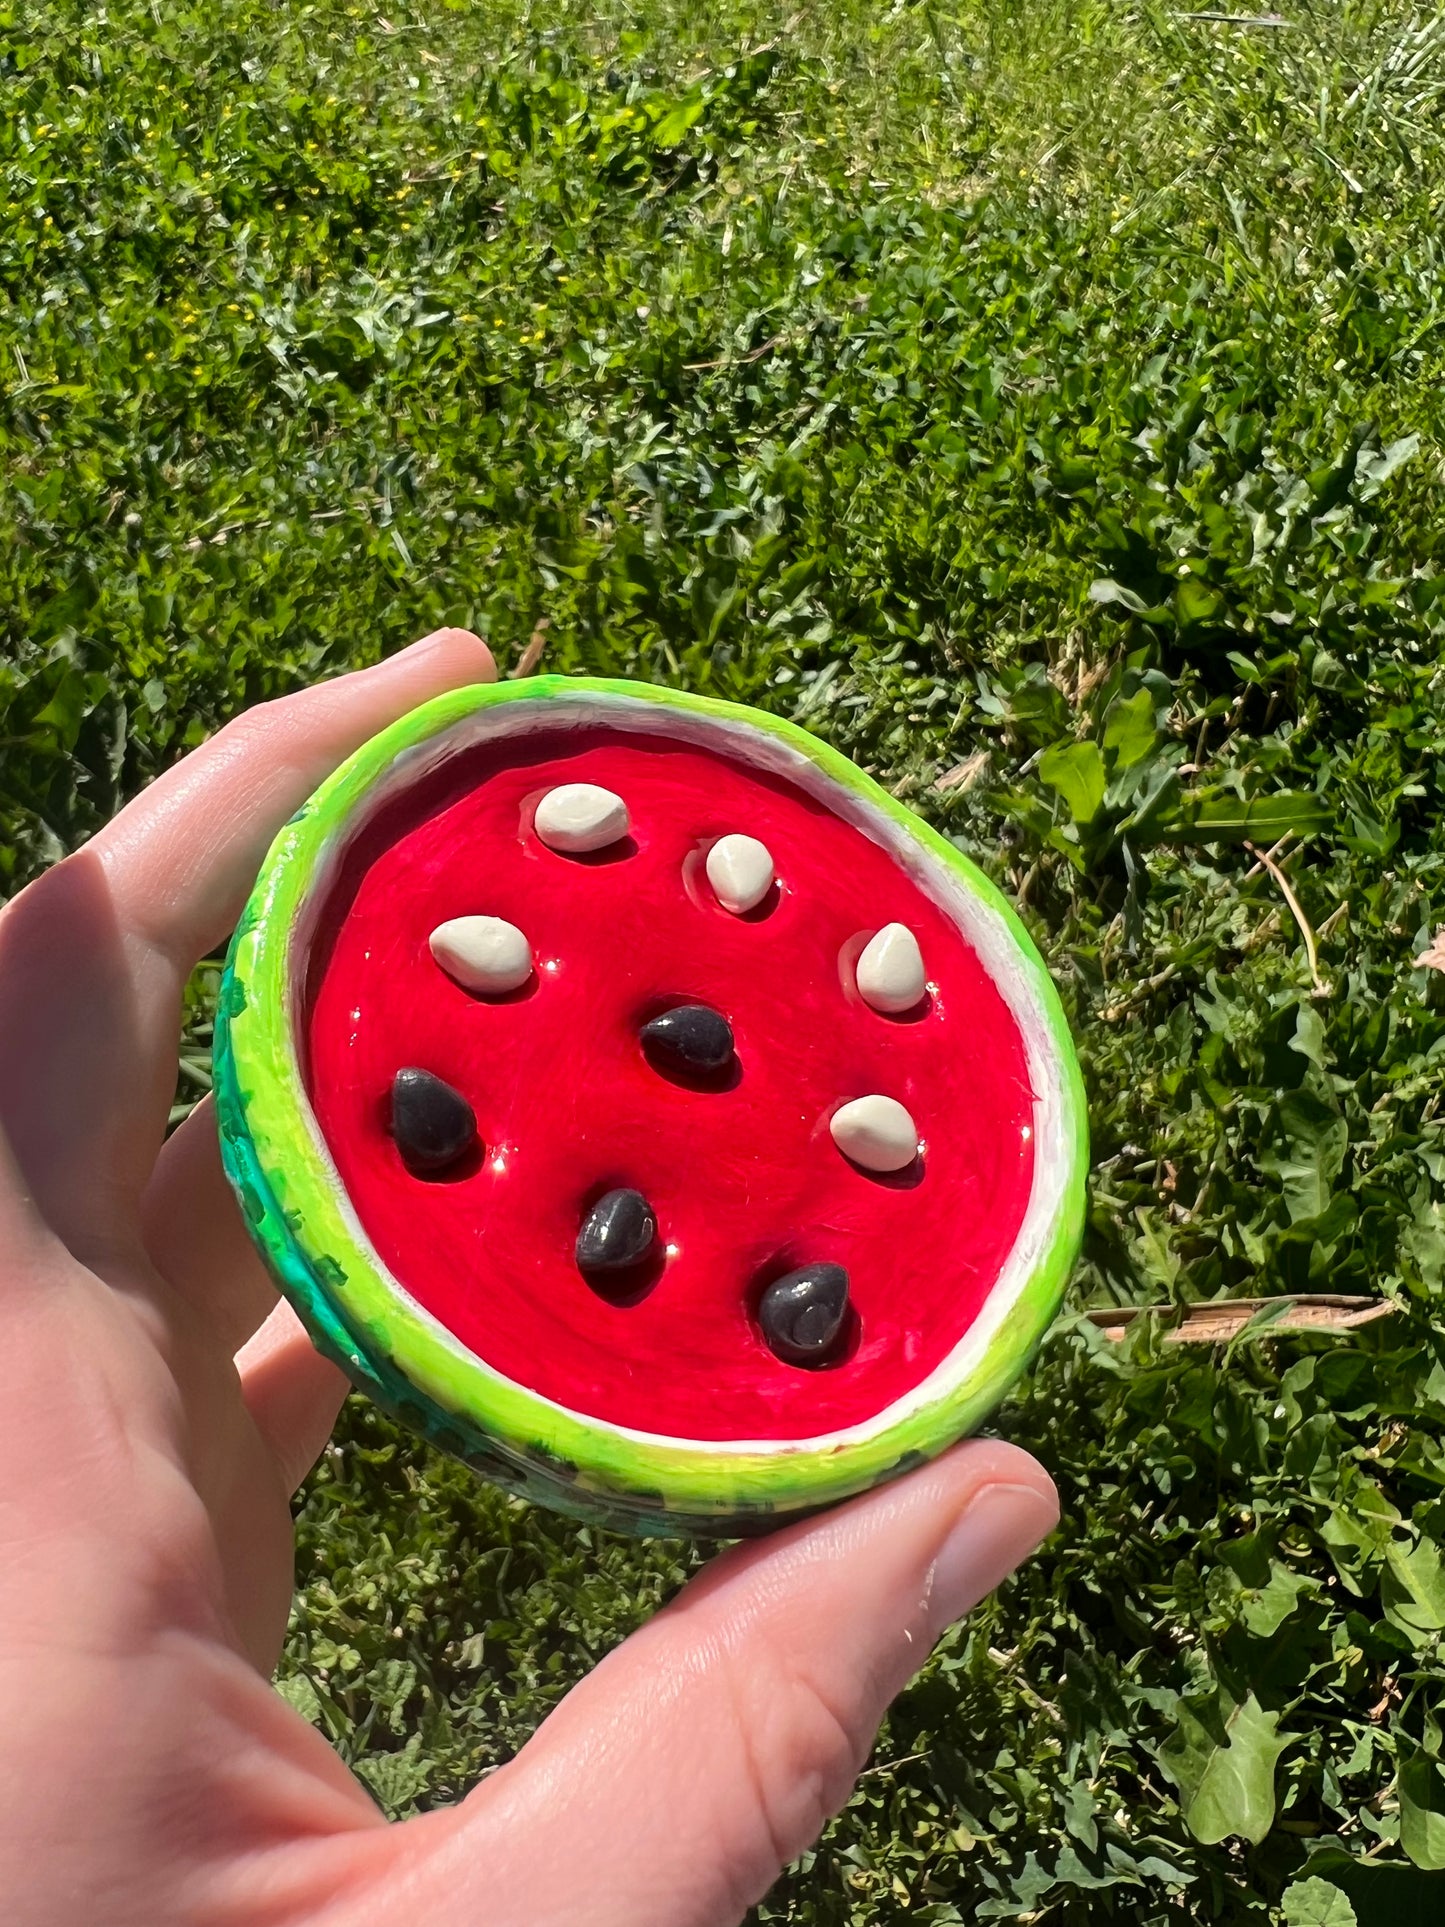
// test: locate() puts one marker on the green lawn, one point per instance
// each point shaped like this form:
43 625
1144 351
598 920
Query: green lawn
1045 402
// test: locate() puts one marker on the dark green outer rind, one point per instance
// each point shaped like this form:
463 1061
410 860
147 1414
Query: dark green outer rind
536 1450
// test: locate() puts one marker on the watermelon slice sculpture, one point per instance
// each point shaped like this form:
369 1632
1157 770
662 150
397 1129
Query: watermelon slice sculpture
646 1107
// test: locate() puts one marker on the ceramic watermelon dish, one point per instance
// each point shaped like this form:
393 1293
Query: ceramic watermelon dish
648 1109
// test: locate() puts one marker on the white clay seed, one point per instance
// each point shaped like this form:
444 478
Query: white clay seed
890 970
740 870
483 954
875 1132
578 817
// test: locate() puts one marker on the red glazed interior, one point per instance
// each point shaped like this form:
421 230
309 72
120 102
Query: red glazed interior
746 1182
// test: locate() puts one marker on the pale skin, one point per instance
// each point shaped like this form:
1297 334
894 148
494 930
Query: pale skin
158 1407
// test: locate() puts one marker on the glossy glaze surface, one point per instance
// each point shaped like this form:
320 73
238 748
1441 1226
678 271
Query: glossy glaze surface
742 1172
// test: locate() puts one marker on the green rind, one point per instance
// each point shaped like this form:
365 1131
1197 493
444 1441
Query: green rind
295 1211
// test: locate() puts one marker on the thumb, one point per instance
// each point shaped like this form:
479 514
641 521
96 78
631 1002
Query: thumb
710 1749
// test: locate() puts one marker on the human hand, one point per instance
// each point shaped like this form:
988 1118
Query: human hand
151 1776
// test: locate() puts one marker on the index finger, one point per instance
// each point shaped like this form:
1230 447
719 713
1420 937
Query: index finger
94 956
181 859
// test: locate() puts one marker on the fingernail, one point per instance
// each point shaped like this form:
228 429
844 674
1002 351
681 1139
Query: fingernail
1001 1526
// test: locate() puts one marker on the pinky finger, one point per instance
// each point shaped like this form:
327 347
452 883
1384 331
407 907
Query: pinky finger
292 1393
196 1238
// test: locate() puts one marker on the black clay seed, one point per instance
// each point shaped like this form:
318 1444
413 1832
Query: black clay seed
433 1125
802 1313
617 1232
689 1038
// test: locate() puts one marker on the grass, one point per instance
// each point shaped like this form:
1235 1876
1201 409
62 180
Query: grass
1042 402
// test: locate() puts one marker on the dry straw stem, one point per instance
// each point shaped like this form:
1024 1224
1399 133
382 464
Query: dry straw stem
1218 1320
963 775
527 662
